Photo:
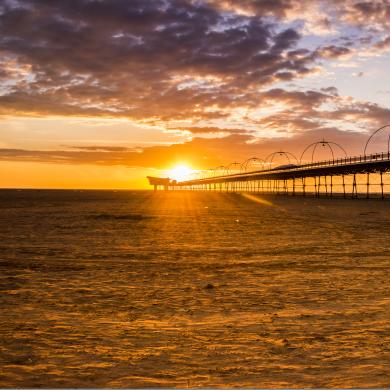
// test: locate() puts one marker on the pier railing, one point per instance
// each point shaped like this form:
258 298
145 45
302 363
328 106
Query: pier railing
346 161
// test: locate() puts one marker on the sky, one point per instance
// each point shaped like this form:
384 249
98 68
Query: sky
101 93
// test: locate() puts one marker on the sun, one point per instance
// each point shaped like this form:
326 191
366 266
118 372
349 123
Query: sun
180 172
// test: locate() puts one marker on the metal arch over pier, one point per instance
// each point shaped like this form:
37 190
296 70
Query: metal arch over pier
293 180
244 165
351 176
269 159
328 144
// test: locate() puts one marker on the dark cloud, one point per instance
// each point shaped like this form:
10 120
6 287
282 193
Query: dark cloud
366 14
362 112
383 43
330 90
144 60
296 98
376 12
332 51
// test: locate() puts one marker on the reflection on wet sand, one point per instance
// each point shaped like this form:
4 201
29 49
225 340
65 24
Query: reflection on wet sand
135 289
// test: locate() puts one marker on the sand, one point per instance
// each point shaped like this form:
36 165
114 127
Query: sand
136 289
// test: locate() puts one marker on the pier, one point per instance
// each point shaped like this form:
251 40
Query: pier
360 176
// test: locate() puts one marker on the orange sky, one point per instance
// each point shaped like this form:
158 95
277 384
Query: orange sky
46 175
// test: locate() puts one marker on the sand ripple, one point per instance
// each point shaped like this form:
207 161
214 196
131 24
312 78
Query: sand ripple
140 289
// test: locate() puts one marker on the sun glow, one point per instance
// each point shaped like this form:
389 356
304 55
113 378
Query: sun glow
180 172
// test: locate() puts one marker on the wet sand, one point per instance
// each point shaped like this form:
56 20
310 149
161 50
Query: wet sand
135 289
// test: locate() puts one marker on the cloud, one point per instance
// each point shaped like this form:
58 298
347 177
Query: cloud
374 13
266 7
383 44
144 60
102 148
333 51
362 13
212 130
151 61
298 119
203 153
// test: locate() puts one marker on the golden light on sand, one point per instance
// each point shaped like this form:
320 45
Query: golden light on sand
180 172
257 199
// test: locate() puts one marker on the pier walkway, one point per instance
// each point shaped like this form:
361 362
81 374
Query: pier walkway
294 179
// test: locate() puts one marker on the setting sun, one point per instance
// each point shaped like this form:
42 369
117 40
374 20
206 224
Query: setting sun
180 172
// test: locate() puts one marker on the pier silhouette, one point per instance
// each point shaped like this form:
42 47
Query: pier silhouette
348 176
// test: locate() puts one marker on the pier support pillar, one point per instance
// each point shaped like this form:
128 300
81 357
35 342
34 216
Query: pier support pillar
326 185
293 186
331 185
381 173
343 184
354 187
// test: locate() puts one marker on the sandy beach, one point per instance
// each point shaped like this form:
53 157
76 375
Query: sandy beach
142 289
